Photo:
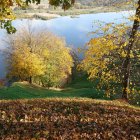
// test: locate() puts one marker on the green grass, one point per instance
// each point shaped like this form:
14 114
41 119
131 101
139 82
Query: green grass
50 117
79 88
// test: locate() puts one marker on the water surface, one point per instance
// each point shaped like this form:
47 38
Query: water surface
74 30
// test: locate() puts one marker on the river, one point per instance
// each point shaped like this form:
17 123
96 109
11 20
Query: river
75 30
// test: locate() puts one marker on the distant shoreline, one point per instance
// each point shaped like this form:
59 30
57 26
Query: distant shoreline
51 14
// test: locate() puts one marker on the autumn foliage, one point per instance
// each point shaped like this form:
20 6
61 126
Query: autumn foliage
39 57
105 57
70 119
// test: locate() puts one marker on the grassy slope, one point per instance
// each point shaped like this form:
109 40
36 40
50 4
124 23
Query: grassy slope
79 88
71 119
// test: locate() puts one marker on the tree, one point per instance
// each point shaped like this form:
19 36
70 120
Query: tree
105 57
39 57
6 11
23 64
7 15
127 66
127 62
57 60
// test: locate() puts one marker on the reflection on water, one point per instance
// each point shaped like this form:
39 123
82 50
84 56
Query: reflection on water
74 30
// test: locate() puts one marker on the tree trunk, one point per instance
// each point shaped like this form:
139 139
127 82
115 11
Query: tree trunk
127 63
30 80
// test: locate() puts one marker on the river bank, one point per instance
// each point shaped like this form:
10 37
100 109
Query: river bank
50 14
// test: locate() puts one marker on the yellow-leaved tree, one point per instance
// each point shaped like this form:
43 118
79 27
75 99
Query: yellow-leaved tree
57 59
127 53
105 57
39 57
22 62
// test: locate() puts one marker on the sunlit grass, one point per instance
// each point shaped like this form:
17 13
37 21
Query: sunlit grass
78 88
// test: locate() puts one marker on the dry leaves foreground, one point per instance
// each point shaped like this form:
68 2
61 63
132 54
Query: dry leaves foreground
68 119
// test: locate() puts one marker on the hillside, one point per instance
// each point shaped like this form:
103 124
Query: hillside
71 119
78 88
